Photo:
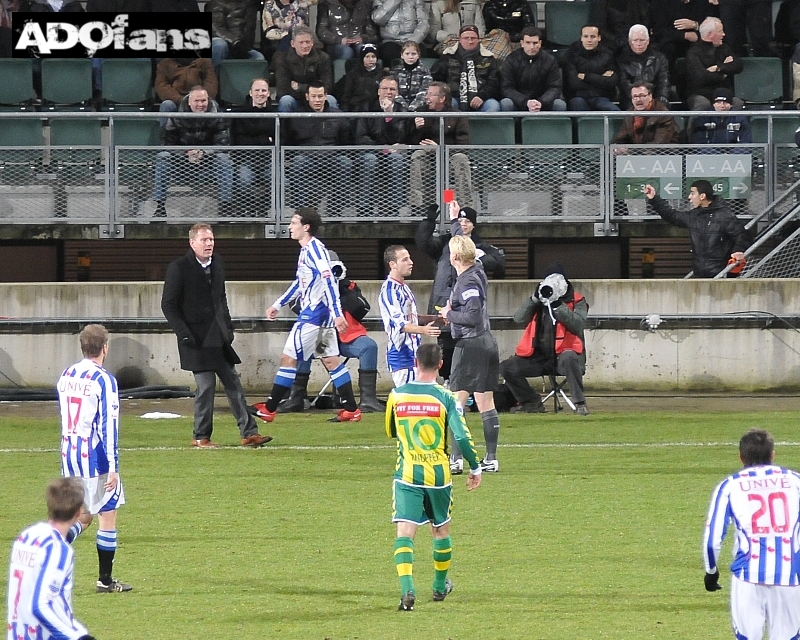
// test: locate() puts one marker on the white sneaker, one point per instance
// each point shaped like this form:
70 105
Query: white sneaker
490 466
457 467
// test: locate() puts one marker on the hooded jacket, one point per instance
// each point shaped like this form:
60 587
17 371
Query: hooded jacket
593 64
527 78
401 20
651 66
453 67
196 131
337 19
714 232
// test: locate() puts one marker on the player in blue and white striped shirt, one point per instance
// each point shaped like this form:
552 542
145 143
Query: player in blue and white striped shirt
89 401
319 318
399 314
763 502
41 568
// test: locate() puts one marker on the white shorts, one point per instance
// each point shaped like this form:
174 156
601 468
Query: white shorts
306 340
97 499
754 605
403 376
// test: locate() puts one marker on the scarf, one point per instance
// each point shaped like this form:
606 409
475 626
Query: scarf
468 84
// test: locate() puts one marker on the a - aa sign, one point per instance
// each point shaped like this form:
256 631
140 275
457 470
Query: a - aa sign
729 173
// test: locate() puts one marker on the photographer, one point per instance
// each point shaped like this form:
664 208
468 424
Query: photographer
552 342
722 129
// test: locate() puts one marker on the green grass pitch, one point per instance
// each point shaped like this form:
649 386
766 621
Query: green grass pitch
592 529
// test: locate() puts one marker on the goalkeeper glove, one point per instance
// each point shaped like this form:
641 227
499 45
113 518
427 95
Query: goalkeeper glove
712 581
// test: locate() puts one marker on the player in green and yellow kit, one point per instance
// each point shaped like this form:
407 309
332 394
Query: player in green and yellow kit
418 414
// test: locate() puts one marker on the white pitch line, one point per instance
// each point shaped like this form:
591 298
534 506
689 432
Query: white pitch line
379 447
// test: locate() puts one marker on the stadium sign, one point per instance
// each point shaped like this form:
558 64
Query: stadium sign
729 173
633 173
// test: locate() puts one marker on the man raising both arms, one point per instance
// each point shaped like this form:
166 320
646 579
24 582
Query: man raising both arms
418 415
319 318
399 315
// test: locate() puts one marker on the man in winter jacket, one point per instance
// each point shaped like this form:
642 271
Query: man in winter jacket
716 234
512 16
553 342
639 62
298 68
590 73
254 132
531 78
344 26
233 25
200 132
641 129
710 64
723 128
471 72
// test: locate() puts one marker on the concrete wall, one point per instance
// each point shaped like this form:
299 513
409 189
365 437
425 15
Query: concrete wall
630 359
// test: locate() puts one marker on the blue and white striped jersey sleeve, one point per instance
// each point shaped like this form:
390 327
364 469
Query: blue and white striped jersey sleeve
319 258
392 312
290 294
108 418
719 516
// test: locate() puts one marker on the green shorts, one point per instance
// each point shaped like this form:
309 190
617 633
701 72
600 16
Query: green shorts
421 505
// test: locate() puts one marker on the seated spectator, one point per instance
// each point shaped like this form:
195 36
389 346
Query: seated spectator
676 25
471 72
531 78
317 174
254 132
638 129
413 77
552 343
511 16
590 72
448 16
199 132
426 133
387 132
787 28
7 7
361 82
398 21
279 19
616 17
300 67
344 26
52 6
640 62
710 64
730 128
175 77
744 18
233 25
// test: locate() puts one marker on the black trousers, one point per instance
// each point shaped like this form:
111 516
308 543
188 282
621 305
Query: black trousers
204 401
516 370
740 17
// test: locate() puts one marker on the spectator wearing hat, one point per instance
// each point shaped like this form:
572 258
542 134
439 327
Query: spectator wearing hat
710 64
730 128
360 89
531 78
471 71
491 258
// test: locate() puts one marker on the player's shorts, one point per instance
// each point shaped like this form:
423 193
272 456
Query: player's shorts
753 605
476 364
97 499
421 505
306 340
403 376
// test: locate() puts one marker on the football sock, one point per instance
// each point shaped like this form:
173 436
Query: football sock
491 432
74 531
344 387
442 554
106 548
404 562
281 386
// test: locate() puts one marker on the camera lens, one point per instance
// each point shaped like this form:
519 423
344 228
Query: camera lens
546 291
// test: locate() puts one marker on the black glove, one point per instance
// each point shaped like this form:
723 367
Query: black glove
432 214
712 581
188 341
239 50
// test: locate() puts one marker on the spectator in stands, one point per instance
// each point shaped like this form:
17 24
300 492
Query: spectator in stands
119 6
590 73
676 25
7 7
316 174
413 77
730 128
398 21
531 78
254 132
787 28
279 19
175 77
471 72
344 26
716 234
199 132
361 82
174 6
511 16
52 6
300 67
747 16
388 132
426 133
616 17
639 62
233 25
640 129
710 64
448 16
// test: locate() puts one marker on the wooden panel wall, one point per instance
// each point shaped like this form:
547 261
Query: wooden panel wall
673 256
